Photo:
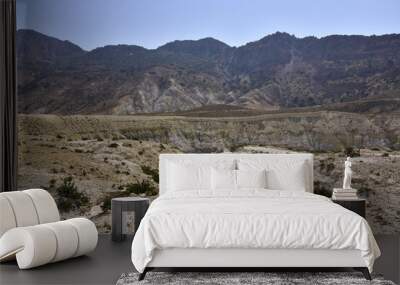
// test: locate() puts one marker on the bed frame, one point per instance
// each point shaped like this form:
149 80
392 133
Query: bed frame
246 259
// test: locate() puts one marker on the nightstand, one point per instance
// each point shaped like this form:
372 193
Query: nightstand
126 214
356 205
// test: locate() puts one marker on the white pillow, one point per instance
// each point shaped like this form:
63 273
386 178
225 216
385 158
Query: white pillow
183 178
290 177
287 175
223 179
251 178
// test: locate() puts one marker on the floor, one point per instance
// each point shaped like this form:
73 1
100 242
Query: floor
103 266
110 260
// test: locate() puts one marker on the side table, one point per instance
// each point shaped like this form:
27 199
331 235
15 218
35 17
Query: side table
126 214
355 205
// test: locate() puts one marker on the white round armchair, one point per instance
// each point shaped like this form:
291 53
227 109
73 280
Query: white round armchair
31 230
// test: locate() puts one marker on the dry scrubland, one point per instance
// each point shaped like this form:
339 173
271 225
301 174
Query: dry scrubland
85 160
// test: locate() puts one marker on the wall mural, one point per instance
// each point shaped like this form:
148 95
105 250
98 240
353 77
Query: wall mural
93 122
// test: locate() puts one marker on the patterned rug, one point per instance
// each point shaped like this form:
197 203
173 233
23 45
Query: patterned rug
243 278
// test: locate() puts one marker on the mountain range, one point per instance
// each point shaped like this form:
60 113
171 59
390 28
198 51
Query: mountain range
276 72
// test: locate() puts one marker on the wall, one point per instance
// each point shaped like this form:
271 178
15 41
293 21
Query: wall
93 122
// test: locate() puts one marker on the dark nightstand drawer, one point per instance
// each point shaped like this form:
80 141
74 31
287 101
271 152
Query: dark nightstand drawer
357 206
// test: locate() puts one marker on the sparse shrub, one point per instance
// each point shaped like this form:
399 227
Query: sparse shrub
47 145
364 191
77 150
234 148
162 147
106 204
321 189
85 138
352 152
59 136
143 187
141 152
52 182
53 170
330 167
106 199
113 145
127 144
321 165
107 226
385 154
357 181
152 172
69 197
327 166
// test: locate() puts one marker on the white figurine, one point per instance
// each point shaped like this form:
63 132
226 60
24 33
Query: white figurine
347 174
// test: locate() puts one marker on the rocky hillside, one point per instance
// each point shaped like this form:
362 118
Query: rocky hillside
99 157
275 72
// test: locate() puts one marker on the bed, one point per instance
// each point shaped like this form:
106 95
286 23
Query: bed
247 210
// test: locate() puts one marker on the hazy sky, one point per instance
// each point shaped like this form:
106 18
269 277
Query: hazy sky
151 23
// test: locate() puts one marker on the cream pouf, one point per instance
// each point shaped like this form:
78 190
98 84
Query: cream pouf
31 230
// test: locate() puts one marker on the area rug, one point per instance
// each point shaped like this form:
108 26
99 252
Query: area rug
269 278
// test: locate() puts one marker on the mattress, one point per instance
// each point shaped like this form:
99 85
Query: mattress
250 219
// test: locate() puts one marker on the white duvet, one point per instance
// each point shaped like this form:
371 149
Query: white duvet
250 219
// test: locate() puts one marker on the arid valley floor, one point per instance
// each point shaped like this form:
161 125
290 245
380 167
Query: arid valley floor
101 157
